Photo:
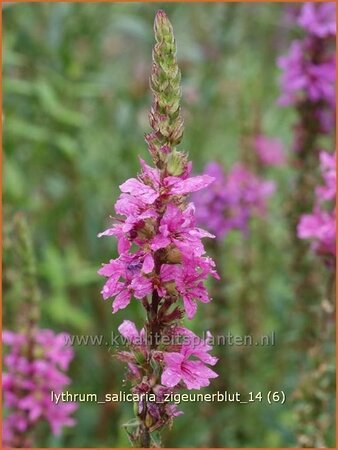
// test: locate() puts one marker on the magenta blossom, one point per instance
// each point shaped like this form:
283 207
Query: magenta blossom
28 381
138 341
302 77
319 19
130 332
156 222
193 373
320 225
309 71
269 150
328 168
130 269
151 186
189 282
177 227
232 199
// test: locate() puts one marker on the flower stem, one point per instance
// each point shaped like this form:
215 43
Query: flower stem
144 437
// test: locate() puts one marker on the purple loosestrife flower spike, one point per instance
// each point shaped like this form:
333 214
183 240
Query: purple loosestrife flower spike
35 361
308 84
31 372
162 262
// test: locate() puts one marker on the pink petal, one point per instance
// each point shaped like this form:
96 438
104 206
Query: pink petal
108 232
148 264
170 377
135 187
142 286
123 244
173 359
111 287
107 270
122 300
159 241
128 330
192 184
190 307
169 272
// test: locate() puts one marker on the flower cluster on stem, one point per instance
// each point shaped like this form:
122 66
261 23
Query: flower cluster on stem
230 202
162 262
35 363
308 84
309 70
320 225
32 371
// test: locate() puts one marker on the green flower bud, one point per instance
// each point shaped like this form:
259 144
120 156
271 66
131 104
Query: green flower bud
165 115
148 420
139 356
176 163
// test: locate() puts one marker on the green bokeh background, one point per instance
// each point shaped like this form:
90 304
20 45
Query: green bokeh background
75 103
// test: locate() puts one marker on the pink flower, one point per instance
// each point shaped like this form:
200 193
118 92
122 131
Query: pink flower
137 341
178 227
150 186
320 225
301 77
246 186
130 332
230 202
328 168
155 219
140 191
319 18
61 417
183 187
189 283
55 347
129 268
28 381
309 69
179 367
269 151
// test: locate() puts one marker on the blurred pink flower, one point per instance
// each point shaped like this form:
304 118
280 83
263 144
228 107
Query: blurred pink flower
302 77
320 225
309 71
230 202
328 168
28 381
318 18
269 150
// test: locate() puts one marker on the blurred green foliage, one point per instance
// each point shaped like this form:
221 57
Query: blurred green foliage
75 102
